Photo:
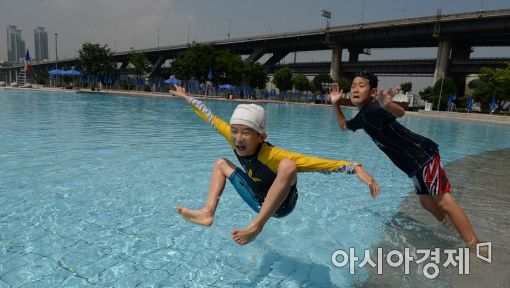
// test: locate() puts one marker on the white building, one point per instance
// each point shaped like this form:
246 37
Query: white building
41 44
15 46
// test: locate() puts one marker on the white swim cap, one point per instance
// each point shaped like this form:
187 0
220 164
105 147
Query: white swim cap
251 115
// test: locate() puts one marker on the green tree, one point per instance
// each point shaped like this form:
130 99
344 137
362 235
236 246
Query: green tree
432 94
301 83
96 59
195 62
41 78
318 81
256 75
406 87
283 79
141 65
344 84
229 68
493 83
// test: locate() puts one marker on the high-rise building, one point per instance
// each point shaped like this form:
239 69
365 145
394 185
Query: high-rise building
41 44
15 46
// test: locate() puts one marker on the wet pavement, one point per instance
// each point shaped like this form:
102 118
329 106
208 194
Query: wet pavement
481 189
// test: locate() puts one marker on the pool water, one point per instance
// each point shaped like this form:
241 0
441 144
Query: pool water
88 186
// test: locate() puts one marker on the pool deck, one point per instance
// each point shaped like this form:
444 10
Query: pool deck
481 189
456 116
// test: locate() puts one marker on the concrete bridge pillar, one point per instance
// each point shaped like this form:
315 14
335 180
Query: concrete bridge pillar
460 52
336 59
443 57
354 54
256 54
277 56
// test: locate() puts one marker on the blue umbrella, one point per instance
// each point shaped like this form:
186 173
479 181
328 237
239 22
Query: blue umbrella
227 86
71 73
173 81
56 72
470 102
493 104
209 74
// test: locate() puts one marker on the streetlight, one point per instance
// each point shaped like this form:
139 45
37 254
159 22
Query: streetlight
56 54
326 14
158 30
189 27
229 21
56 58
363 11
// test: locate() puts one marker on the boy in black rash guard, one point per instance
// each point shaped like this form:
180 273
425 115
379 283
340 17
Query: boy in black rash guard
269 184
414 154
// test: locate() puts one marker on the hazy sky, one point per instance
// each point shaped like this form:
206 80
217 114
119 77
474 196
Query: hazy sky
134 23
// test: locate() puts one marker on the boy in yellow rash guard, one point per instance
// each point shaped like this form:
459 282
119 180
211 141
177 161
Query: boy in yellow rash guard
269 184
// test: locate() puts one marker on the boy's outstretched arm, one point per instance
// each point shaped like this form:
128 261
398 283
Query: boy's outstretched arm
180 92
368 179
385 99
335 96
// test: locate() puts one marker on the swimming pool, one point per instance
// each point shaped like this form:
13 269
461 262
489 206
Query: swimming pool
89 183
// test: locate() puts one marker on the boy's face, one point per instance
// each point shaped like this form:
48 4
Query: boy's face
361 93
245 139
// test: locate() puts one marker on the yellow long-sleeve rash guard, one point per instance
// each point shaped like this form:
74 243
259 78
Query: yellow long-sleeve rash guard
263 165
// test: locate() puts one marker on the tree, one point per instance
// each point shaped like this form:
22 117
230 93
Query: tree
195 62
301 83
406 87
432 94
493 83
141 64
283 79
344 84
318 81
230 68
256 75
97 60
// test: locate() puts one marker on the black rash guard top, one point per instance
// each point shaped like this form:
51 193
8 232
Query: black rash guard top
407 150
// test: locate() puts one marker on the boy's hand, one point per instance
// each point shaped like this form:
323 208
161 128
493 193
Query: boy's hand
385 97
179 91
369 180
335 94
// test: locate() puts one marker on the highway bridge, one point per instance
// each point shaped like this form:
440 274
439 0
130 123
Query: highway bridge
454 35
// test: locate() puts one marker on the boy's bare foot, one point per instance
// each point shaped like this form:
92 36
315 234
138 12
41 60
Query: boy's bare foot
246 235
201 217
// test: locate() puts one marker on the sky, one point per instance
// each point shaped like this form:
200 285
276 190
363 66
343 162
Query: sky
122 24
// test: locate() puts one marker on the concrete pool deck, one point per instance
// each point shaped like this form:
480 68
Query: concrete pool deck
481 188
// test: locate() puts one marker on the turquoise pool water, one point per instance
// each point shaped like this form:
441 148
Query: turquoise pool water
88 186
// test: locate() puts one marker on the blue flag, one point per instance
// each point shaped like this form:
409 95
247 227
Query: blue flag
27 56
493 104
